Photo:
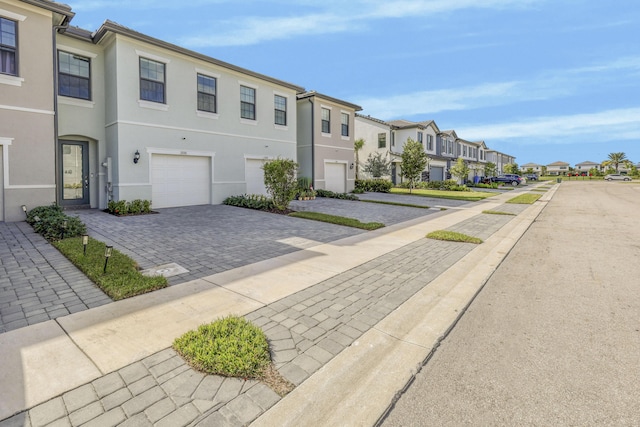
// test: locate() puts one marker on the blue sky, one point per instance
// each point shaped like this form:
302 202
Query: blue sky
543 80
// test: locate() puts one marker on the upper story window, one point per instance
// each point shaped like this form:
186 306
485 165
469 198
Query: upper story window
247 103
430 142
450 147
464 150
280 109
382 140
152 81
8 47
344 129
74 75
326 120
207 93
420 137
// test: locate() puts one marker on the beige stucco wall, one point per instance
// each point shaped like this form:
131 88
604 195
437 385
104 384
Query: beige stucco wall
176 127
26 109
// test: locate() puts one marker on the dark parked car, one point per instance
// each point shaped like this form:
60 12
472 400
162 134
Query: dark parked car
531 177
507 179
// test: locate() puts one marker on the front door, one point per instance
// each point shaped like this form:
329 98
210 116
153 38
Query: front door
74 158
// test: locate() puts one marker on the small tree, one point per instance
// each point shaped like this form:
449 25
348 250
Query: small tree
617 158
357 146
280 180
377 166
490 169
511 168
414 161
460 170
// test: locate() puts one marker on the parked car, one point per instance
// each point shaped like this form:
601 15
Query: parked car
531 177
507 179
617 177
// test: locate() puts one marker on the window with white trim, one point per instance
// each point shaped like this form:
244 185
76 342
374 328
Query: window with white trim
247 103
207 87
152 81
8 47
344 128
326 120
382 140
74 75
280 110
429 142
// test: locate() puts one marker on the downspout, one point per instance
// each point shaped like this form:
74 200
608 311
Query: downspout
56 154
313 149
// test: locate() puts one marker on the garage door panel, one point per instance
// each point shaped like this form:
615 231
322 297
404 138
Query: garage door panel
254 177
180 180
335 177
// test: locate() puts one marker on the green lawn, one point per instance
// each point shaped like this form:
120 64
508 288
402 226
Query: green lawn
525 199
121 279
453 236
339 220
470 196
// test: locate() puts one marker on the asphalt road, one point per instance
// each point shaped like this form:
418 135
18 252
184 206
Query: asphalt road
553 339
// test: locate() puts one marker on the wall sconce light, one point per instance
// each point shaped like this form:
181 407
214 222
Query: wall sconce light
107 254
136 157
85 242
24 209
351 166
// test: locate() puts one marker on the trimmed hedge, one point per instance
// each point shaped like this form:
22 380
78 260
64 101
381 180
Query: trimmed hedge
373 185
251 201
134 207
332 195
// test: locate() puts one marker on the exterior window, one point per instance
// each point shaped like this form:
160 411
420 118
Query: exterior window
8 47
326 120
429 142
420 137
444 146
74 76
459 148
247 103
280 108
152 81
382 140
345 124
207 93
464 151
450 147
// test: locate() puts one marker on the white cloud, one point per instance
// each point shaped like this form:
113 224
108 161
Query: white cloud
331 17
607 125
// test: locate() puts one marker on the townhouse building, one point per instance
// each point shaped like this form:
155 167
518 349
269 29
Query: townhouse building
325 140
586 166
558 168
27 105
499 159
534 167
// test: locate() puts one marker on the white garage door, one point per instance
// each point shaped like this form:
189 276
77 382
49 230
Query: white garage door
335 177
254 176
180 180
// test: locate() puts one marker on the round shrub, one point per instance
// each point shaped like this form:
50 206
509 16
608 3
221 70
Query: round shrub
231 346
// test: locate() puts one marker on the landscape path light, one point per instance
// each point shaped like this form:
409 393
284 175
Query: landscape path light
85 242
107 254
64 228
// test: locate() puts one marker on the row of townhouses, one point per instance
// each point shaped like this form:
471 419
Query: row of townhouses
443 148
89 117
563 168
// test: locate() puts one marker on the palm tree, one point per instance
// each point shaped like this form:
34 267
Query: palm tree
617 158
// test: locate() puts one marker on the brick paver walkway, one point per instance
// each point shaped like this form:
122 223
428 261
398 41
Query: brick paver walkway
306 330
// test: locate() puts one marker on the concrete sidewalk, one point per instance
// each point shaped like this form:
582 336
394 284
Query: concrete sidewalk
112 364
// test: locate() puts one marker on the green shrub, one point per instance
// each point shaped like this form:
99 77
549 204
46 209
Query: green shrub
49 221
280 181
135 207
230 346
448 185
332 195
251 201
373 185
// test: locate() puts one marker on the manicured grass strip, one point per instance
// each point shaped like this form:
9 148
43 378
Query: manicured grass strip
383 202
525 199
470 196
231 347
453 236
340 220
122 279
497 213
540 190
